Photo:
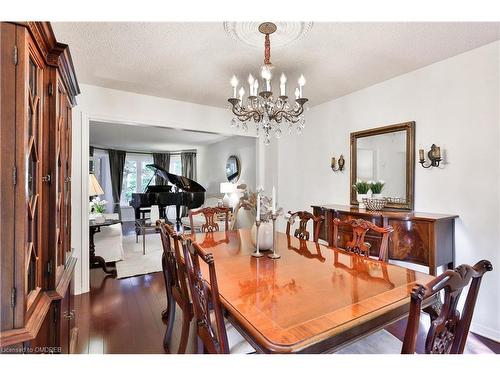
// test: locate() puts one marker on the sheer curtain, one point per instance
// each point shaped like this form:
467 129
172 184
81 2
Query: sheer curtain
188 162
162 160
116 167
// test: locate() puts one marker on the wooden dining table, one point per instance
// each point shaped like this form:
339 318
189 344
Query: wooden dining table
313 299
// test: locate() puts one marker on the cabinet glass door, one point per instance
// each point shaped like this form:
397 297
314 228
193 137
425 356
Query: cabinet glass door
33 178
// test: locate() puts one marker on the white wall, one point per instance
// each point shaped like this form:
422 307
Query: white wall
455 104
103 104
212 162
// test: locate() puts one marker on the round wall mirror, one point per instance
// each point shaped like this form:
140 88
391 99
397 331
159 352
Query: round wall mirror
233 169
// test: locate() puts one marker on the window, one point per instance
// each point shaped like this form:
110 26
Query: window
175 164
135 175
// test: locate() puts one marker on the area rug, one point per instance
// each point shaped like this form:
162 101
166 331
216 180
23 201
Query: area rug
134 262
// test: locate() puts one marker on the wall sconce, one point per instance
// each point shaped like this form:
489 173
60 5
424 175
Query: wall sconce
341 164
434 156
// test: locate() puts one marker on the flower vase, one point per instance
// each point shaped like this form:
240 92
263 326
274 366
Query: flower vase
99 218
265 235
377 196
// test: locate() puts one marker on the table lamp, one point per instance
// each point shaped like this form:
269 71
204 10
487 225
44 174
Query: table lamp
94 187
227 188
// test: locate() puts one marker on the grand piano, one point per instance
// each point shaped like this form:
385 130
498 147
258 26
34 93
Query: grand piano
185 192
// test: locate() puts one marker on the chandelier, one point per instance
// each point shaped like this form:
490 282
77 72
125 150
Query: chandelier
268 111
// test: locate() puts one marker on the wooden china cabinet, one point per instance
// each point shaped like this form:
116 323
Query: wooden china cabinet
38 89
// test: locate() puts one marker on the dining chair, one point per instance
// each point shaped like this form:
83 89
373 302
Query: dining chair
301 232
357 244
215 334
211 218
176 287
304 249
449 328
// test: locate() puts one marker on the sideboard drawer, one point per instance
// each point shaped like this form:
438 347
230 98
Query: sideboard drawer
410 241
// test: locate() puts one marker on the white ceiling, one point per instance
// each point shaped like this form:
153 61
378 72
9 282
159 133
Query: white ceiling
193 62
147 138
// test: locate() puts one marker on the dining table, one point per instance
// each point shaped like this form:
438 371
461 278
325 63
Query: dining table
313 299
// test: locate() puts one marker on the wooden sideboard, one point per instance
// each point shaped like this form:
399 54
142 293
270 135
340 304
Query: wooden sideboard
421 238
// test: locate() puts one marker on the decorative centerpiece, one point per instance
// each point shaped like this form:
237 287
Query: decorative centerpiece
264 209
376 188
97 209
375 204
363 191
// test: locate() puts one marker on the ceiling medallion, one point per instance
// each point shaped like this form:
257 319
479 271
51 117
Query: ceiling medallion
286 33
266 110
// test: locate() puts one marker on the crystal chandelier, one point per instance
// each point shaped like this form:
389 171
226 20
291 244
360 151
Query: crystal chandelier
266 110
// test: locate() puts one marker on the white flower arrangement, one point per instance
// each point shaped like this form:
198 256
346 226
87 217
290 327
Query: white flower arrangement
98 205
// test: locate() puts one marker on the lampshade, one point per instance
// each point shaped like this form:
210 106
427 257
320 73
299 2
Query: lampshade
94 187
227 187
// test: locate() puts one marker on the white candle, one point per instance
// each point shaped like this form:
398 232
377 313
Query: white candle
297 93
283 84
242 92
301 82
258 207
251 81
274 200
256 87
234 84
266 75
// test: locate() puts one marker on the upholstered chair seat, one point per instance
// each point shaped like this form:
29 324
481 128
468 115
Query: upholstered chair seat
380 342
237 343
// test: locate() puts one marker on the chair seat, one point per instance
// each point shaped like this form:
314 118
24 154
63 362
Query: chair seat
380 342
237 343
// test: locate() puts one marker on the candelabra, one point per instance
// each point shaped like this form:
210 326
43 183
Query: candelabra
257 253
274 255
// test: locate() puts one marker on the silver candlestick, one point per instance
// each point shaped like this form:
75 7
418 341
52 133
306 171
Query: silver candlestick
257 253
273 255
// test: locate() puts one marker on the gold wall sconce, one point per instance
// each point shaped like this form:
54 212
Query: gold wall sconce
434 156
340 166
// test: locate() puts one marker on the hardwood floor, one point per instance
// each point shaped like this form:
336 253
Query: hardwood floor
124 316
121 316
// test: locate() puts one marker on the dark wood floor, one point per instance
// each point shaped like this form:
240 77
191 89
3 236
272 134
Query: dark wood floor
124 316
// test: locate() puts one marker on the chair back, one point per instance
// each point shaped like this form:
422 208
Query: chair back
212 334
449 329
173 271
210 214
357 244
301 232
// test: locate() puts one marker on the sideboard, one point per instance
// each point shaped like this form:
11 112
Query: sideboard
421 238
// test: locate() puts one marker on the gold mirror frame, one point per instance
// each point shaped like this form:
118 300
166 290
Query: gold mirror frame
409 127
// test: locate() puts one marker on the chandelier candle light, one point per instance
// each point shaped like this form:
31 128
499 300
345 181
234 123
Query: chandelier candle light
264 108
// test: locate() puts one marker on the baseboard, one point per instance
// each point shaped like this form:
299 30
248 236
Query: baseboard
485 331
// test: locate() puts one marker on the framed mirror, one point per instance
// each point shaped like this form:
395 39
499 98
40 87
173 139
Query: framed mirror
386 154
233 169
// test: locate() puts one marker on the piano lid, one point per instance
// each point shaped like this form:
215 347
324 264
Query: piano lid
181 182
